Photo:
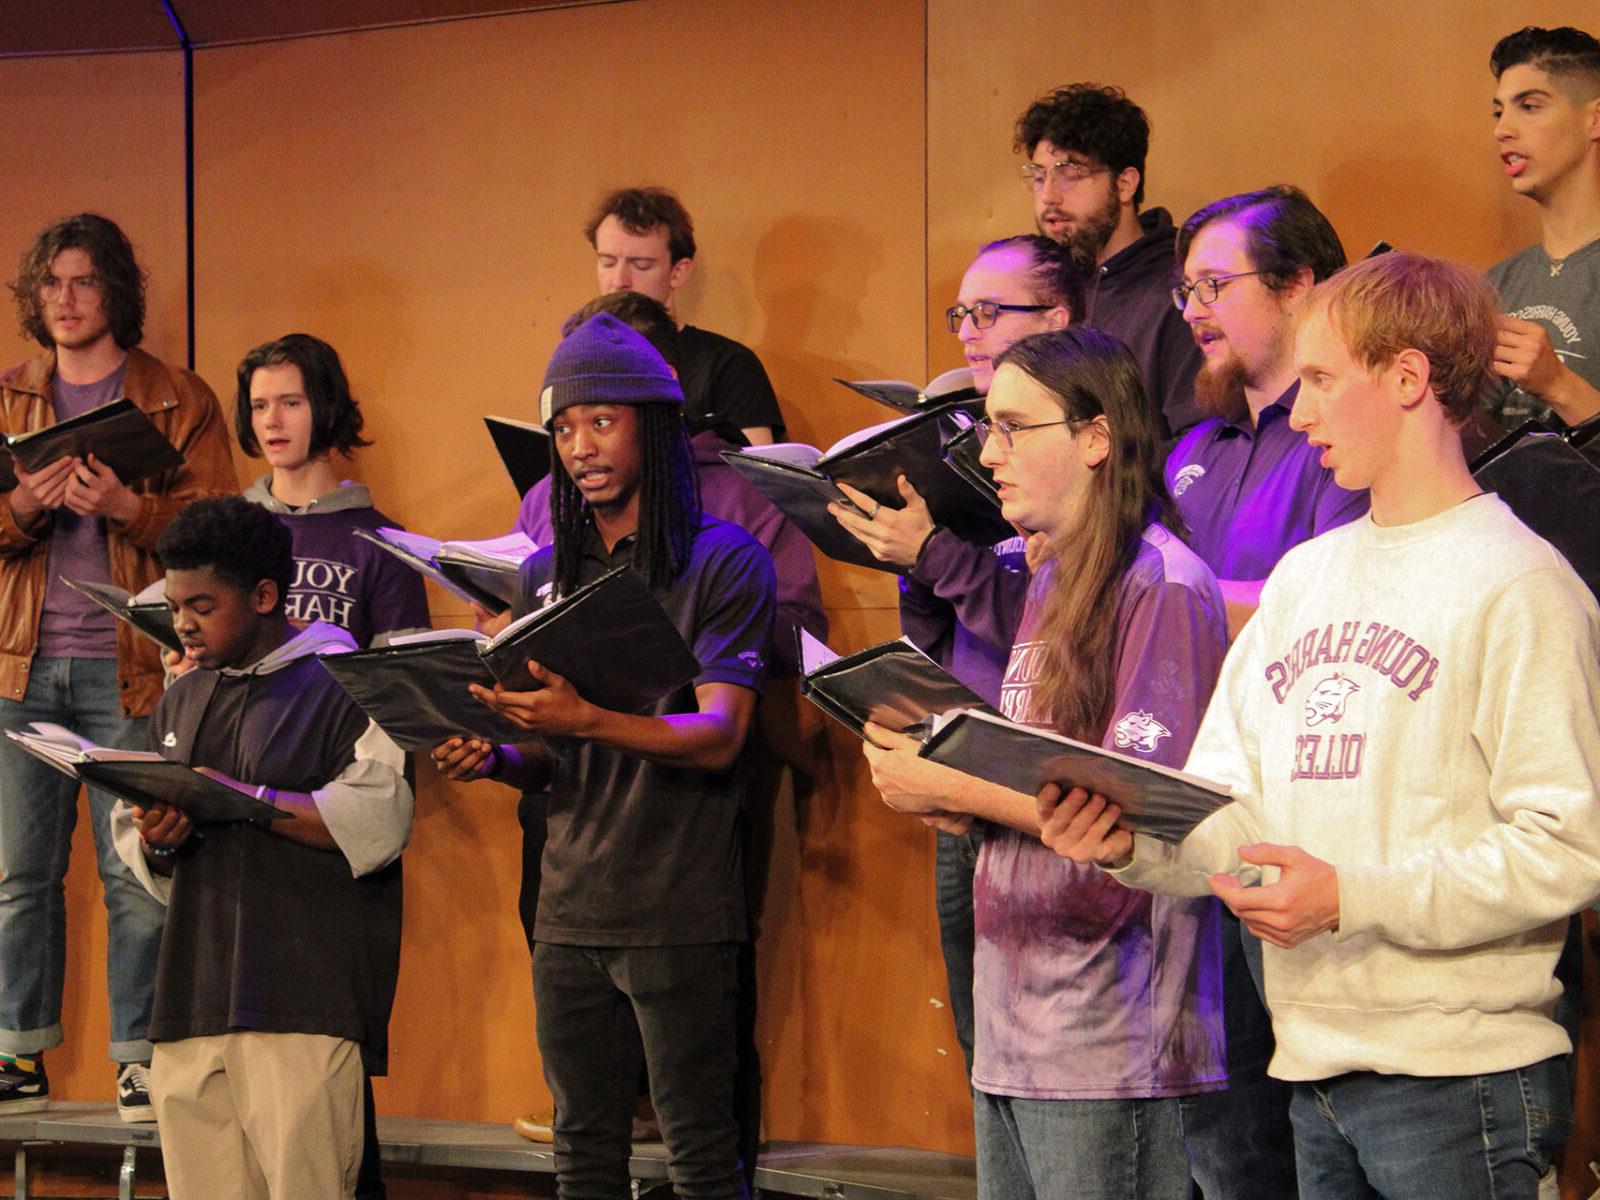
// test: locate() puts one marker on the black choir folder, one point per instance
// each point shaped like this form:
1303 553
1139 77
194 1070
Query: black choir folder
897 686
801 480
483 572
118 434
1552 488
142 777
146 612
1158 801
524 449
908 397
610 639
894 685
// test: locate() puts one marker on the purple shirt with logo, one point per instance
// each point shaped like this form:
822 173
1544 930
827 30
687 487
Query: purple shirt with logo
72 625
1249 494
1084 988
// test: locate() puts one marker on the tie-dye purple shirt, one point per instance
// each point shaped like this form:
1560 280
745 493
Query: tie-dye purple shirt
1086 989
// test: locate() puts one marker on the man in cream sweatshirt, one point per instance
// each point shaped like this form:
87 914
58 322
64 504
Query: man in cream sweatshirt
1410 729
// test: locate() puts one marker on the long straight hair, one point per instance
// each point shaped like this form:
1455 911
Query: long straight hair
669 503
1091 374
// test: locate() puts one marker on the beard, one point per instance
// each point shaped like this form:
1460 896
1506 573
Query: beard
1219 390
1087 238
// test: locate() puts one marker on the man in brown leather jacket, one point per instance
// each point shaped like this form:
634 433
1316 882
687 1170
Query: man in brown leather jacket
80 295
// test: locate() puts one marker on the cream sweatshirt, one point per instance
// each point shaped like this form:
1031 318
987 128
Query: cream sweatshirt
1420 706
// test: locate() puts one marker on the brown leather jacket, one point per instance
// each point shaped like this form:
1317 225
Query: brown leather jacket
186 411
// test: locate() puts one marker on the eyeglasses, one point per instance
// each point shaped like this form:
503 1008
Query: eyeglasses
1206 289
1008 431
986 312
82 285
1066 174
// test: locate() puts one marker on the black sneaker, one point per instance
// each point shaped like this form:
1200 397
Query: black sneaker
133 1093
23 1085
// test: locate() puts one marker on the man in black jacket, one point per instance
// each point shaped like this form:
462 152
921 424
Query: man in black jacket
1086 147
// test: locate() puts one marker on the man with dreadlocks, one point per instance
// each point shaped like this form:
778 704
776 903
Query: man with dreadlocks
641 904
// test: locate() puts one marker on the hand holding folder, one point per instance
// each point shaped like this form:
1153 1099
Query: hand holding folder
143 778
610 640
118 434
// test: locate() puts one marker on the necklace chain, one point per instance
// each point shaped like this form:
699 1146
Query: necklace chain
1557 263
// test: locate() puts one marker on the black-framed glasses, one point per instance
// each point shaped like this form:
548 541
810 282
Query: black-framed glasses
1206 289
1066 174
985 313
1008 430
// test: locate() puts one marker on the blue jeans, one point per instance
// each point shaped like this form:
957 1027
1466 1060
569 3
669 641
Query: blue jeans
1241 1143
38 809
1469 1137
1079 1149
954 860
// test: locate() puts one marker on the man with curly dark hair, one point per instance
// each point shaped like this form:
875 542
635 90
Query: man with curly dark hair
1086 147
80 295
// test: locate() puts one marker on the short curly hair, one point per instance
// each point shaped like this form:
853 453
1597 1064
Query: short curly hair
1100 122
239 542
114 265
641 209
336 419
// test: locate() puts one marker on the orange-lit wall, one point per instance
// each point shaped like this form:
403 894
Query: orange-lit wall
416 196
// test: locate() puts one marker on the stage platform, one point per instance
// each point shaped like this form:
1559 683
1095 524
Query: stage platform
804 1169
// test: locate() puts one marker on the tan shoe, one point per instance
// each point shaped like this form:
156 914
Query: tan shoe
535 1127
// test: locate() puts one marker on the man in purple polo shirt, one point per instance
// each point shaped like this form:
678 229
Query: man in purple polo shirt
1249 487
1086 148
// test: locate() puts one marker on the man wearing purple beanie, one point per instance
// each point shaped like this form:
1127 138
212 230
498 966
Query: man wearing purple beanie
641 905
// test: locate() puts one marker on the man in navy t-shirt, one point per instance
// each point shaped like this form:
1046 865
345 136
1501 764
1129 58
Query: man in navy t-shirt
641 905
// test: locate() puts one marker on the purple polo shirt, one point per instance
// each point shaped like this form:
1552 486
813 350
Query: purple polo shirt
1249 494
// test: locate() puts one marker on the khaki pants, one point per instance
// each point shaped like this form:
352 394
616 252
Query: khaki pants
259 1116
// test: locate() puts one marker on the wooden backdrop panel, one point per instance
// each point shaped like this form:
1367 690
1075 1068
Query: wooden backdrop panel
417 197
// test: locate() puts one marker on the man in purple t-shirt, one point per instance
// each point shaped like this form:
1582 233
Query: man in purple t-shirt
80 294
1249 487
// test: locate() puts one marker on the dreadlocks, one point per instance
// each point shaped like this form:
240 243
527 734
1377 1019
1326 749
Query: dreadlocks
669 503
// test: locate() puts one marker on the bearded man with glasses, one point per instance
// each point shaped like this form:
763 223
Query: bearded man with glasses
1086 148
1249 487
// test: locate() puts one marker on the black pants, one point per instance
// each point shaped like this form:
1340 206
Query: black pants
595 1007
531 814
